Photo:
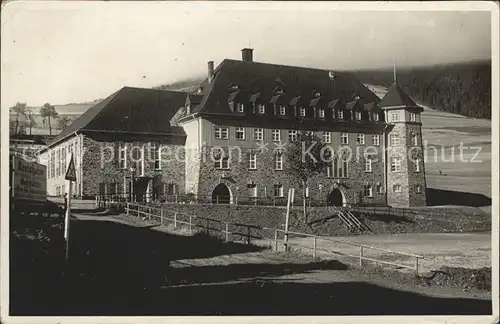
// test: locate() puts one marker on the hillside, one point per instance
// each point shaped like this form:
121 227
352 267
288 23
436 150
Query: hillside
461 88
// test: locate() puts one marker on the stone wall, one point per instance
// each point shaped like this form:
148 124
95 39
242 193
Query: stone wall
101 166
407 177
239 176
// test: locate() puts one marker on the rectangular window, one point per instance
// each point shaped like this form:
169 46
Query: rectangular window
122 156
252 160
380 189
278 190
64 161
252 190
52 164
376 139
154 153
395 116
221 133
309 133
394 139
368 191
341 114
376 117
240 133
418 189
344 138
396 188
368 164
240 107
278 161
222 162
322 113
292 135
262 109
338 168
302 111
360 140
414 139
58 160
282 110
358 115
417 165
396 164
258 134
413 117
276 135
327 137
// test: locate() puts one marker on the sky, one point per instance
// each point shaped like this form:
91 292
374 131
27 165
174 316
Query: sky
64 52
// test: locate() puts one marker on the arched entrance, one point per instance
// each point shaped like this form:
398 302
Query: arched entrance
335 198
221 194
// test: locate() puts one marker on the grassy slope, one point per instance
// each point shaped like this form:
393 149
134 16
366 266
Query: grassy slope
445 131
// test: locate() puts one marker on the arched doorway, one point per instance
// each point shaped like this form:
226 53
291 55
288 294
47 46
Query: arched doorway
335 198
221 194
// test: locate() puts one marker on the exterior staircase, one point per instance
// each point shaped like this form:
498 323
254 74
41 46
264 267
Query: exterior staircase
353 223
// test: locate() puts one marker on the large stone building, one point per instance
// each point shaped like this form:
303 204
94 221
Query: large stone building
250 110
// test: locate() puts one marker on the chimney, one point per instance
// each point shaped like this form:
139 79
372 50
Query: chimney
210 70
247 54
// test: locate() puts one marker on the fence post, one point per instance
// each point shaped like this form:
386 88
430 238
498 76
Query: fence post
175 220
190 224
161 215
236 200
276 240
128 209
217 200
208 226
227 232
416 266
248 234
361 256
314 248
176 198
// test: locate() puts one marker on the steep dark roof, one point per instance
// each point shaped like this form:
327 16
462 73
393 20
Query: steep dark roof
334 103
395 96
130 110
354 105
371 107
254 77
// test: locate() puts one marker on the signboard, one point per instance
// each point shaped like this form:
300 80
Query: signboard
29 180
71 172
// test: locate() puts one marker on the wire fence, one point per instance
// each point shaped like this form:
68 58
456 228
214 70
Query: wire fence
277 239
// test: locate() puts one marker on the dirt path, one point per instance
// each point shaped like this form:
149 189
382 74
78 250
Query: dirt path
441 249
300 267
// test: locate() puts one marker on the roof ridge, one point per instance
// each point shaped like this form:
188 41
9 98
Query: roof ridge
292 66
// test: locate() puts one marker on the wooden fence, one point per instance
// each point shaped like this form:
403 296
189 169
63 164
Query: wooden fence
245 233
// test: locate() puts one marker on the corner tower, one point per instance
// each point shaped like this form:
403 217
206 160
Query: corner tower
406 184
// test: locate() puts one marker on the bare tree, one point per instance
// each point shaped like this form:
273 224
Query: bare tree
20 112
30 118
63 122
47 112
306 157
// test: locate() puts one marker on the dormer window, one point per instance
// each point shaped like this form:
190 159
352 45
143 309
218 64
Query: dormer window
358 115
341 114
262 109
282 110
321 113
188 109
240 107
376 117
413 117
302 111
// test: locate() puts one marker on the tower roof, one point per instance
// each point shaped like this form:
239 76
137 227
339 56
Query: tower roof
396 97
